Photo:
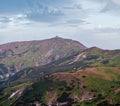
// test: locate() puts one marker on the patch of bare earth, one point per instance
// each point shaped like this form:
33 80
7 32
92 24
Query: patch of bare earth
117 90
51 97
65 77
86 96
118 70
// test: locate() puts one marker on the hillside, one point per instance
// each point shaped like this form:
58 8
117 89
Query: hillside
89 58
89 87
85 77
20 55
98 86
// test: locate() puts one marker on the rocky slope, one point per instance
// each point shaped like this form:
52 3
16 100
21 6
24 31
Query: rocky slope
20 55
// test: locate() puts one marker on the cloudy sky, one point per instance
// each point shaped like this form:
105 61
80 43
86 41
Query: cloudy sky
92 22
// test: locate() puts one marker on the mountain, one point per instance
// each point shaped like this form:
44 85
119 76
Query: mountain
20 55
83 77
88 58
98 86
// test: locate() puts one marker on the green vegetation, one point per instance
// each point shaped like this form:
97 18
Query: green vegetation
6 92
87 87
21 55
78 78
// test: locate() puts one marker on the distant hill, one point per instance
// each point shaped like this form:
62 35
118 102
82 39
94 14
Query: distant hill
17 56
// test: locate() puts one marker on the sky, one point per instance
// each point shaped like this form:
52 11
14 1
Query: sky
91 22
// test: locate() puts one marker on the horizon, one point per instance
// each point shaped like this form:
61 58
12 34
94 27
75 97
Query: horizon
91 22
52 38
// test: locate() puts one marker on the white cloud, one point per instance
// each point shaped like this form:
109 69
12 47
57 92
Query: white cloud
81 20
116 1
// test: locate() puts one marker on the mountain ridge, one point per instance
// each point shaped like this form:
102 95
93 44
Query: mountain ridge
79 77
16 56
19 43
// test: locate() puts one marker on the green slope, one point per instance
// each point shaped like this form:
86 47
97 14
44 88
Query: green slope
85 87
87 78
92 57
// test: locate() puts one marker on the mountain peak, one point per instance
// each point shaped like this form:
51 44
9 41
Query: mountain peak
58 38
20 55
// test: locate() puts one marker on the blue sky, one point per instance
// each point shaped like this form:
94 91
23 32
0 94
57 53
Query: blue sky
92 22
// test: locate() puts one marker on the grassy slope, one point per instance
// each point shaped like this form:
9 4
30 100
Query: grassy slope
6 92
96 76
92 57
90 86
